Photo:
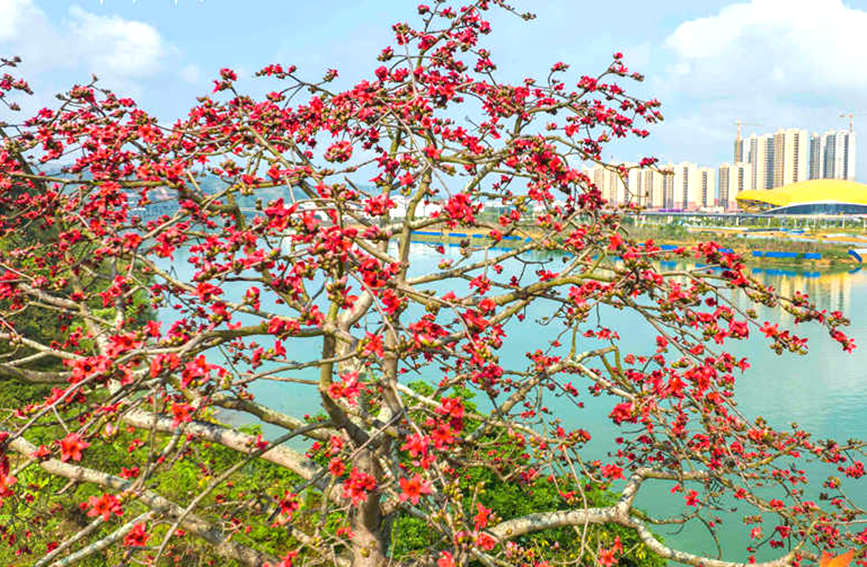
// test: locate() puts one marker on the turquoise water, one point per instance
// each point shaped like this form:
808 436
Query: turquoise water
825 392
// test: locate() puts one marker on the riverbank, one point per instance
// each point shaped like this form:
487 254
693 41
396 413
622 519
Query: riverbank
766 249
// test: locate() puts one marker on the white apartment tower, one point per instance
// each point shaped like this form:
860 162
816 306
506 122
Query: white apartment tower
724 179
835 155
654 185
790 156
851 152
707 187
616 188
640 186
609 184
597 175
761 161
646 187
668 182
791 161
687 190
733 178
817 150
838 155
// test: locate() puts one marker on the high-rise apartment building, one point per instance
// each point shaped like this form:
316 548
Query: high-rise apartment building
668 189
791 159
817 152
684 186
789 156
838 155
609 183
597 176
707 187
687 186
644 187
739 147
650 186
761 161
654 187
732 179
835 154
635 187
724 180
851 152
616 188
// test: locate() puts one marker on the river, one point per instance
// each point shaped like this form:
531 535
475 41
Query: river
825 392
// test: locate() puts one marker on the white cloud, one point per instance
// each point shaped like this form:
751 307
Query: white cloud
773 47
114 48
15 13
778 63
25 31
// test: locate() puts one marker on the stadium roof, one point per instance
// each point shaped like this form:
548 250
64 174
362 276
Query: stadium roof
814 192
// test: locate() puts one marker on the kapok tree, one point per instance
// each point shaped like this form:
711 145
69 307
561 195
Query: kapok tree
156 333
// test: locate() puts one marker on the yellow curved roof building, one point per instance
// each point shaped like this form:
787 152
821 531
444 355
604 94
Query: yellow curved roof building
817 196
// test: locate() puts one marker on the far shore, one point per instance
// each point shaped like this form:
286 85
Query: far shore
833 248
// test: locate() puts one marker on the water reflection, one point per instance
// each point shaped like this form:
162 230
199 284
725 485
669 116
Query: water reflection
824 392
833 289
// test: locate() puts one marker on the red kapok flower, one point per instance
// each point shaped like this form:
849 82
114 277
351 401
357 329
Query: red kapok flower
287 506
137 537
481 518
612 471
41 452
182 413
336 467
287 560
358 486
104 506
349 388
71 447
413 489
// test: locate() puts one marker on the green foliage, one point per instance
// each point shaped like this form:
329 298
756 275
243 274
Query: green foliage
511 499
411 536
246 499
674 231
15 394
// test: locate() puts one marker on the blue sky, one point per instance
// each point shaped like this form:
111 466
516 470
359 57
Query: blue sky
779 63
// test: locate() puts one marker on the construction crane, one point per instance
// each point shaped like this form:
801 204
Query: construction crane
851 116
